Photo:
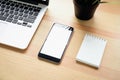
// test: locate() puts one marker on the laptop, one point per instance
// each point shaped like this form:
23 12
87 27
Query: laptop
19 19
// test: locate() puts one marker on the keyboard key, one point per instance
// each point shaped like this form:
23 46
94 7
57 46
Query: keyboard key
25 15
11 16
37 9
3 18
6 10
30 9
7 7
24 23
21 6
15 13
36 13
31 12
29 20
26 11
12 8
26 8
3 6
2 9
20 14
31 17
21 10
19 23
6 15
15 21
11 12
2 13
29 26
16 5
7 3
20 18
17 9
3 2
12 4
9 20
16 17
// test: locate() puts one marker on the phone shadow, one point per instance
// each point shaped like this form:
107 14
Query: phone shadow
49 61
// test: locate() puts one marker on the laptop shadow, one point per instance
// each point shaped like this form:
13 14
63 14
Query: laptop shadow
13 48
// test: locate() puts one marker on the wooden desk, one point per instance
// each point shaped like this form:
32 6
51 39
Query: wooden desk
24 64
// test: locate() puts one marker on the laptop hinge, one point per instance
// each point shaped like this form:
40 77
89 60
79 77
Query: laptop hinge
30 1
46 2
36 2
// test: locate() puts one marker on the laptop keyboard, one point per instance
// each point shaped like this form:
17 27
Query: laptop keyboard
18 13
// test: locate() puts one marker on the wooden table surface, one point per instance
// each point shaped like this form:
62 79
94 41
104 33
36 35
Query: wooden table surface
18 64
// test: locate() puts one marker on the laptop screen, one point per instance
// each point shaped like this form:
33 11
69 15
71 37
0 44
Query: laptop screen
46 2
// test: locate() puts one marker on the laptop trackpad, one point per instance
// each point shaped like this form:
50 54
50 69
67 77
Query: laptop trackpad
14 35
3 27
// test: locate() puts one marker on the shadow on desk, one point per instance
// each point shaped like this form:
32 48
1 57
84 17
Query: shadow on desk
86 65
13 48
49 61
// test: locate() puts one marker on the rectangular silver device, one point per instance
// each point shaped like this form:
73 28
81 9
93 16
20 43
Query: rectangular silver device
19 19
56 42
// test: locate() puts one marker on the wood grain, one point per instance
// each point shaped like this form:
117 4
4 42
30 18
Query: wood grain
18 64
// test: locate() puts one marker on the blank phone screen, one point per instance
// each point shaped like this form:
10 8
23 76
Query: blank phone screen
56 41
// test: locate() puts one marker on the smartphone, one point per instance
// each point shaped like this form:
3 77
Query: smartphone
56 42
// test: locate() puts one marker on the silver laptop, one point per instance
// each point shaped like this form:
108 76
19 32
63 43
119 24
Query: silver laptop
19 20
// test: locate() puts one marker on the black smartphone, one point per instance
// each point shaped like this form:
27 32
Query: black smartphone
56 42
